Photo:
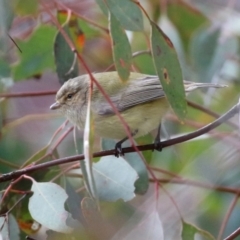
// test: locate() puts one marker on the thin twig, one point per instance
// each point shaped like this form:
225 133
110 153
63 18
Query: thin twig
13 175
227 216
27 94
209 112
84 18
233 235
195 183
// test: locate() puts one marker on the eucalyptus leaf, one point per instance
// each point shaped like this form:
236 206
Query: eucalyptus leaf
9 228
102 5
168 70
209 54
114 179
65 59
142 183
189 231
202 49
122 53
46 206
35 57
6 18
73 202
127 13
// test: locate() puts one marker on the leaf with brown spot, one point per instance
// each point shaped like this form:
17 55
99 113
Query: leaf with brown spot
122 53
168 70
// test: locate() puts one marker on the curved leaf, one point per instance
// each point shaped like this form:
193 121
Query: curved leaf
168 69
127 13
142 183
35 57
114 179
46 206
122 53
102 5
65 59
9 228
189 231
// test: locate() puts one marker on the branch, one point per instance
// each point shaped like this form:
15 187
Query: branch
13 175
233 235
27 94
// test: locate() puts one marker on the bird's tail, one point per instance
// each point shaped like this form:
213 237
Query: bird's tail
190 86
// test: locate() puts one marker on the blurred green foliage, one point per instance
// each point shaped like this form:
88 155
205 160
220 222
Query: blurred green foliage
208 49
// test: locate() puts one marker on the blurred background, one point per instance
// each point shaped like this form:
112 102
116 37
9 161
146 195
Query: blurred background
201 177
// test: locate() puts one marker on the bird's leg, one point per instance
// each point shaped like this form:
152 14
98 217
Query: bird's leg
118 146
157 141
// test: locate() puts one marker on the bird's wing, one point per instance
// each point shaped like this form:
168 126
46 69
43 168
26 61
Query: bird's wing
142 90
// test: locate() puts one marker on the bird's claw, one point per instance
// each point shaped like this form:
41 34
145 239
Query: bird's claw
158 145
118 150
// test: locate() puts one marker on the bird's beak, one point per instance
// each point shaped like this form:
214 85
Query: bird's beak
55 106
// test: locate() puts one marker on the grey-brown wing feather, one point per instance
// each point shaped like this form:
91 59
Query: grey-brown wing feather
139 91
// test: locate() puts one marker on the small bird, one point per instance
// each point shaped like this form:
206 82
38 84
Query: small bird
140 100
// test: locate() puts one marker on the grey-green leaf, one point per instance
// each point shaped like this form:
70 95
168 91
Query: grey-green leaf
114 179
208 54
127 13
189 231
136 162
142 183
65 59
102 5
122 53
168 69
9 227
46 206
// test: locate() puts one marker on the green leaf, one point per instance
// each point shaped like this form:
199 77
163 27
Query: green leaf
189 231
142 183
186 19
170 30
4 69
6 18
208 54
122 53
127 13
102 5
203 47
146 139
87 164
90 211
9 228
144 62
36 53
26 7
6 15
73 202
65 59
74 31
46 206
168 69
114 179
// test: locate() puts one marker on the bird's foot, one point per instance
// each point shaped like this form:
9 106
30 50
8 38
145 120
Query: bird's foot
118 149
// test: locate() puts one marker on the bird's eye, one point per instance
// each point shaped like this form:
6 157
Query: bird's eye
69 96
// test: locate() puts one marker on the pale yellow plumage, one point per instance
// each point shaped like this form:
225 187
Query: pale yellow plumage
140 100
